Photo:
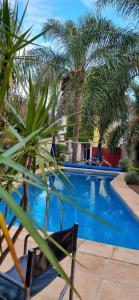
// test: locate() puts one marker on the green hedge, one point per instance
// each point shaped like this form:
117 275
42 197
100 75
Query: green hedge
124 164
132 177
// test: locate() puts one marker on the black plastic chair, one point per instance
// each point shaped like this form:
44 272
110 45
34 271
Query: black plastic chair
37 269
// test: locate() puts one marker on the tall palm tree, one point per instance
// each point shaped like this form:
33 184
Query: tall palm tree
81 46
107 87
127 129
125 7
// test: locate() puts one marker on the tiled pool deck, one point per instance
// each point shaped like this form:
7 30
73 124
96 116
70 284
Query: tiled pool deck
111 273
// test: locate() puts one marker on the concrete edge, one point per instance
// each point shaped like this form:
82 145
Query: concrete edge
130 198
89 170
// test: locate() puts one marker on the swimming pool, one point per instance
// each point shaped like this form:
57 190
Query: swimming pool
94 193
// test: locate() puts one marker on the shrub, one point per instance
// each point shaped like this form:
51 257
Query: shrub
132 177
61 151
132 167
62 157
61 148
124 164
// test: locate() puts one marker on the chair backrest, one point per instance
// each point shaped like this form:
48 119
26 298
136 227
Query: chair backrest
38 262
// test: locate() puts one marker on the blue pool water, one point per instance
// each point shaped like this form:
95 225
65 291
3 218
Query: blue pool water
94 193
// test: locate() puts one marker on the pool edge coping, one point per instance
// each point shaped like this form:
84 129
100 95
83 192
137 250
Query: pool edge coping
120 187
89 170
130 197
127 195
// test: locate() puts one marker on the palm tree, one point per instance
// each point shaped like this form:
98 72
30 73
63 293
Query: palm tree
78 47
107 87
127 129
128 8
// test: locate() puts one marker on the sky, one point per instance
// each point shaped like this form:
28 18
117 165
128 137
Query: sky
40 10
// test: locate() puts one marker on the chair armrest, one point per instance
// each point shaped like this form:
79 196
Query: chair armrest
11 280
25 244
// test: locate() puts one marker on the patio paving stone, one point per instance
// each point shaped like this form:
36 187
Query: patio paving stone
122 272
116 291
98 249
110 273
126 255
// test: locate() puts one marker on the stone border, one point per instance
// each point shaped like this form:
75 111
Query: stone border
130 198
127 195
90 170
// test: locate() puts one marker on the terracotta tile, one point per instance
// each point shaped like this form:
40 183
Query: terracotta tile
80 242
126 255
85 282
66 265
122 272
22 234
13 230
8 262
91 263
52 292
96 249
110 290
85 285
103 277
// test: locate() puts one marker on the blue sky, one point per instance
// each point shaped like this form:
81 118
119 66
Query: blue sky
41 10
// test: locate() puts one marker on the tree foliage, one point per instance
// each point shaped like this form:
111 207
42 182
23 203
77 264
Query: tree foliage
129 8
88 54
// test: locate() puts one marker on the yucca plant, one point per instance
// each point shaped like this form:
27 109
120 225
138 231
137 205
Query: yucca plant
13 40
28 149
35 153
27 139
14 161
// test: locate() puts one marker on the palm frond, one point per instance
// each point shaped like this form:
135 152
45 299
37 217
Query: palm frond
114 137
125 7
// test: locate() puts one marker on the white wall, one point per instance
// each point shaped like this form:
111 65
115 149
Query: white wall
80 153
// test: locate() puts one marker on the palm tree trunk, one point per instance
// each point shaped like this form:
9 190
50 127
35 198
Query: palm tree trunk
76 128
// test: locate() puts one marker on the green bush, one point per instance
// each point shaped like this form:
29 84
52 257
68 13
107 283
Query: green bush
61 148
61 151
132 177
132 167
83 139
124 164
61 157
